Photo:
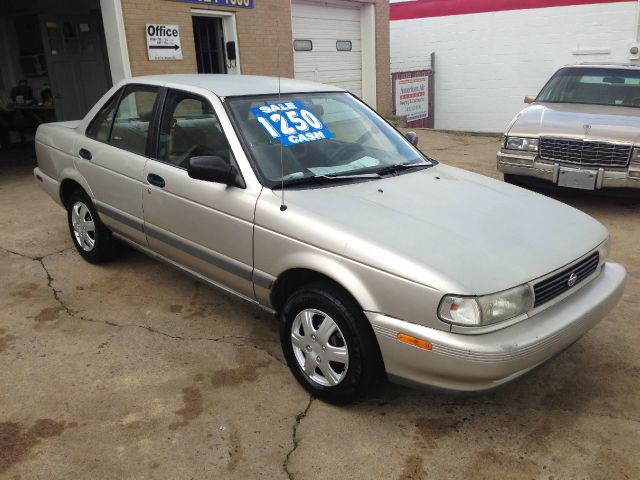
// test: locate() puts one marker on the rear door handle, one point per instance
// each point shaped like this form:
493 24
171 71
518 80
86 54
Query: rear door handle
84 153
156 180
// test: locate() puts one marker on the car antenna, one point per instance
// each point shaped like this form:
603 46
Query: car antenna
283 205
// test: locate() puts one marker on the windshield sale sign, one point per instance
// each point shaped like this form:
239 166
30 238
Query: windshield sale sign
291 123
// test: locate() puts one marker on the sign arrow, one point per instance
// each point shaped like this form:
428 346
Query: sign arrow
164 47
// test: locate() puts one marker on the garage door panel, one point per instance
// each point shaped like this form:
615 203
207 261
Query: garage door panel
325 24
323 30
328 59
329 46
324 11
330 75
309 67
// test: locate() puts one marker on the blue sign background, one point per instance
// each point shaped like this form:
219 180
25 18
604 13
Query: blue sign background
303 127
223 3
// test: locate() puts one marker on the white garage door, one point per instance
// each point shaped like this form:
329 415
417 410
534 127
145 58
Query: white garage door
335 56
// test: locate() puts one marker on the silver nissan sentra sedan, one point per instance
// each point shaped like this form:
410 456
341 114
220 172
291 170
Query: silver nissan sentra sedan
299 198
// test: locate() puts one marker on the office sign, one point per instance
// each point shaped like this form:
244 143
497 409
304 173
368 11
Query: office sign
163 42
411 98
223 3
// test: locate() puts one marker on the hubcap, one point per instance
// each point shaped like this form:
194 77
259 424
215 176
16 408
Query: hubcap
84 229
319 347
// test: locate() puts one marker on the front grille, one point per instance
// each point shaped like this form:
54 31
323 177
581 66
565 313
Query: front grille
585 152
557 284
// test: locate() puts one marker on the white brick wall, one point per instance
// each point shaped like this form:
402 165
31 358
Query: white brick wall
487 62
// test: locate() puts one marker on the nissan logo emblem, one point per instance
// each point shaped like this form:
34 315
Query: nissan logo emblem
573 278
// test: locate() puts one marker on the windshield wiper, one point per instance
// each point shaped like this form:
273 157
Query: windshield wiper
401 166
319 179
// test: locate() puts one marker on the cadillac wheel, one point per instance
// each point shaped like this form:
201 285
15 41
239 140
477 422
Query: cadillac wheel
328 343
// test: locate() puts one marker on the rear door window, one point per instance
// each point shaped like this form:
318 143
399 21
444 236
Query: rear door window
132 119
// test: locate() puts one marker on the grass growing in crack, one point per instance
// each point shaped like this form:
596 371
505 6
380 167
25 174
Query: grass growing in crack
294 437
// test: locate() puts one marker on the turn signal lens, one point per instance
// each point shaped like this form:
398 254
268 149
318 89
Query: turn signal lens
416 342
460 310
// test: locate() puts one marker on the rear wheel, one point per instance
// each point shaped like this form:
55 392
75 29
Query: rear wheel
91 238
328 343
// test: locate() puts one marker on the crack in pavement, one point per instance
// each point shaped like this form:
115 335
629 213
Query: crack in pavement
294 437
228 339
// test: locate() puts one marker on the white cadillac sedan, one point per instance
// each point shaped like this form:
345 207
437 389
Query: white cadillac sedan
297 197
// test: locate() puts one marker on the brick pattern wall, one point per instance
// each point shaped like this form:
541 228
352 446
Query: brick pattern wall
262 31
264 39
486 63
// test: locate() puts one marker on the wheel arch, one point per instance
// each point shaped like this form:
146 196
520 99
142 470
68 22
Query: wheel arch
71 182
295 278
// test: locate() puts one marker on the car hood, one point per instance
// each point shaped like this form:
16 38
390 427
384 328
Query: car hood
608 123
446 228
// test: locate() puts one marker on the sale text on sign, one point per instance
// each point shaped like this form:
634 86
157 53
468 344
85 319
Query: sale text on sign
412 98
291 123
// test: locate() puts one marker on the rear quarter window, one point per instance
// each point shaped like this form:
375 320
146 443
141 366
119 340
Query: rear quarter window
100 126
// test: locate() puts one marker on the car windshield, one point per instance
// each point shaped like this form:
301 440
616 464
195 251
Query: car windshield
319 135
598 86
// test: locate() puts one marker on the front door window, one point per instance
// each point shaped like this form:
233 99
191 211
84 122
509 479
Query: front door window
190 128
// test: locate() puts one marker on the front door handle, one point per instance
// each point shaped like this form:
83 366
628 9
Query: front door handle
156 180
84 153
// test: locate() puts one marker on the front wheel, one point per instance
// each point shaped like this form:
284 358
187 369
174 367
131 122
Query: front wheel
91 237
328 344
513 179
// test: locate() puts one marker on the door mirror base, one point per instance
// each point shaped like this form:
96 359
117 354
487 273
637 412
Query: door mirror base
412 137
215 169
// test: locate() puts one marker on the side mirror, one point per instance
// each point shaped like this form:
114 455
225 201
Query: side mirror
214 169
529 99
413 138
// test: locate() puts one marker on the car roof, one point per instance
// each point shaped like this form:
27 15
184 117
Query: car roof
624 66
237 85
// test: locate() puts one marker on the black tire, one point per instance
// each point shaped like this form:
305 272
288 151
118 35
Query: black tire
512 179
105 246
353 329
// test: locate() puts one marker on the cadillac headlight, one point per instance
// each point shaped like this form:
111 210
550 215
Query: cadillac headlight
487 309
521 143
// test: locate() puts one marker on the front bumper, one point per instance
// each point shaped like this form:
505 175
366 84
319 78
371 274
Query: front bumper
509 164
471 363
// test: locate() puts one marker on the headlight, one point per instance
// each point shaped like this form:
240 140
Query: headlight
485 310
635 155
521 143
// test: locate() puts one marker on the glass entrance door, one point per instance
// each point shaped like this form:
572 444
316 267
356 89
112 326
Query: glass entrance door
209 40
